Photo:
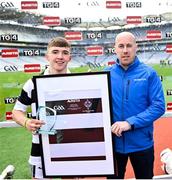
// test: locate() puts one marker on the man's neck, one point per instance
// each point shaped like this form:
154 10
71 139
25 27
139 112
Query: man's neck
64 71
125 67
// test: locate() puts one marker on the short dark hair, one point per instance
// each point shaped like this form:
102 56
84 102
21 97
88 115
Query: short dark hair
58 42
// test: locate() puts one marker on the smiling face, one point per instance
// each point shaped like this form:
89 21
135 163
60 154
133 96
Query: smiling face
58 55
125 48
58 58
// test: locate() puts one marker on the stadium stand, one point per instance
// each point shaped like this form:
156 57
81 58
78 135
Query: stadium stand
32 34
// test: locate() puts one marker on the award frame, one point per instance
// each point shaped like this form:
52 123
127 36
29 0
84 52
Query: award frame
83 144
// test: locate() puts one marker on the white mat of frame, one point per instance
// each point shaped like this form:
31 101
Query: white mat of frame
10 123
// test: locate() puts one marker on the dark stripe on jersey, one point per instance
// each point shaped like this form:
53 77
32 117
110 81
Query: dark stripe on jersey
24 99
33 96
33 171
35 151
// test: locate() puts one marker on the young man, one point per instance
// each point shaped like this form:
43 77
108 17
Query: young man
138 101
58 55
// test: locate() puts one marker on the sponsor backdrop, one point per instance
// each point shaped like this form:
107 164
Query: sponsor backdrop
90 26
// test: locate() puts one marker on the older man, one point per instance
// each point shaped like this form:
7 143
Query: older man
138 101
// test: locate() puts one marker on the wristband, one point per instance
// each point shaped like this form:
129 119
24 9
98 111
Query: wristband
26 120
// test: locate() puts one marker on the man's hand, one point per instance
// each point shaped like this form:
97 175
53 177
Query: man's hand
34 124
120 126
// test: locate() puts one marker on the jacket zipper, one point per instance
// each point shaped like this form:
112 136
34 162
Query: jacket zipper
127 89
122 116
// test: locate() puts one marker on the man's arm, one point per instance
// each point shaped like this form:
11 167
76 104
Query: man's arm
31 124
155 110
156 106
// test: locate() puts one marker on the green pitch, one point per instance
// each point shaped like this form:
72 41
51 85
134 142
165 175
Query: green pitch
12 82
10 86
166 72
15 142
15 146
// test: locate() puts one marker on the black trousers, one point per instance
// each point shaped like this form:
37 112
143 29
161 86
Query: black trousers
142 163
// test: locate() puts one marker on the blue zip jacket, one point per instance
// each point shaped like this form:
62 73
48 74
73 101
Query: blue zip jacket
138 98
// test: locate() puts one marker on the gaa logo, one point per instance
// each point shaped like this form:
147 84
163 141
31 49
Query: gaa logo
93 3
93 65
6 5
10 68
114 19
59 107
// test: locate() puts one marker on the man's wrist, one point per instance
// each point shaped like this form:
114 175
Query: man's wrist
25 122
131 126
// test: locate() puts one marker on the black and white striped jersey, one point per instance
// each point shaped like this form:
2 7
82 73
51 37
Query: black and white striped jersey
26 99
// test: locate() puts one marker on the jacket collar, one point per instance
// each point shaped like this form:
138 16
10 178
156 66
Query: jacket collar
135 63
